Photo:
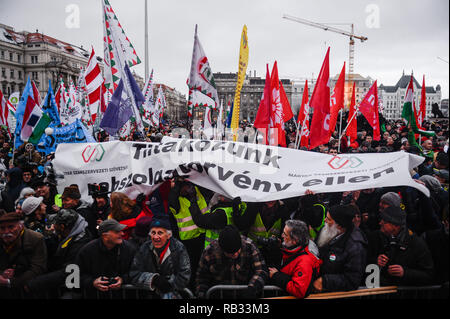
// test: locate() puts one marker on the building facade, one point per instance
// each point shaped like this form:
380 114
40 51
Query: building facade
392 97
38 56
176 102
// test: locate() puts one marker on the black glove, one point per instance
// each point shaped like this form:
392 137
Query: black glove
162 284
140 198
236 203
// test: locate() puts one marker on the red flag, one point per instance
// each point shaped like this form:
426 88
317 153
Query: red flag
287 111
369 108
303 117
262 118
320 102
36 95
423 108
58 97
352 126
276 125
337 100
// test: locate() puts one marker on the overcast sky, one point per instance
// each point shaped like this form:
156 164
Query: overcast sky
402 34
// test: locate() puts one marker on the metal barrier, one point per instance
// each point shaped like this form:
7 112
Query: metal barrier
269 292
232 291
389 292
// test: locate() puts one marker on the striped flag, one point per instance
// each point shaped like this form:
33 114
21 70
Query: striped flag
36 95
34 122
408 112
4 110
94 85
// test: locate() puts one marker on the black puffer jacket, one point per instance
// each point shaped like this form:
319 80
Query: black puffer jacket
344 261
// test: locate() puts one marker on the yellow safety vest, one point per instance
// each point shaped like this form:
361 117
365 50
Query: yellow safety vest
213 234
58 200
186 226
259 230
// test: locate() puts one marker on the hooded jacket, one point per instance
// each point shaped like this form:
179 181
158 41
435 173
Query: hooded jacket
299 270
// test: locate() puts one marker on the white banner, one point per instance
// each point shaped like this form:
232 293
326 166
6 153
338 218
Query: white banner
251 171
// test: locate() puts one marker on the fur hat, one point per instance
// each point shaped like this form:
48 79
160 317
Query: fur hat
71 191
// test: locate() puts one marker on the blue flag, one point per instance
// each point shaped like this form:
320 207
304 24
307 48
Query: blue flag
118 112
20 110
50 108
75 132
136 91
230 115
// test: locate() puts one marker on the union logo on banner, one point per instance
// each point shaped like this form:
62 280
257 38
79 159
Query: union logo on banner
93 153
340 162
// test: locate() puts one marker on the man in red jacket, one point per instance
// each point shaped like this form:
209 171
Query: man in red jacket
299 267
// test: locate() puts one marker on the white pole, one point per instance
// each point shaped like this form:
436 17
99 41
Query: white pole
146 42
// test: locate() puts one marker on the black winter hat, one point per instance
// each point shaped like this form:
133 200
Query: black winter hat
394 215
230 239
343 215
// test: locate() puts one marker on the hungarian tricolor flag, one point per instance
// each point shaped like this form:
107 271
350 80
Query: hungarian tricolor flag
320 102
408 112
369 108
34 122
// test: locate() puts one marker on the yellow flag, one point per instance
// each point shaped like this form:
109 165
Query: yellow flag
243 63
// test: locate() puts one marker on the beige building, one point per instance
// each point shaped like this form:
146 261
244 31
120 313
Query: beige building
392 97
42 58
176 102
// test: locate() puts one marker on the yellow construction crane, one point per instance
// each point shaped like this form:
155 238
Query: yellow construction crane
332 29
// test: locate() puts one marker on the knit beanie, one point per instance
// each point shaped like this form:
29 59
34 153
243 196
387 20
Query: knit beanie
394 215
391 199
230 239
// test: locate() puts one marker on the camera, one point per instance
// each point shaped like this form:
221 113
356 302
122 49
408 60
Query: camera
267 242
110 280
95 190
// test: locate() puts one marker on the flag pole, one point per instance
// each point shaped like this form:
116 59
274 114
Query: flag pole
340 130
146 42
348 122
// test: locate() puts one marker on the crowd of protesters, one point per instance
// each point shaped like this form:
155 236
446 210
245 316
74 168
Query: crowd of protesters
183 239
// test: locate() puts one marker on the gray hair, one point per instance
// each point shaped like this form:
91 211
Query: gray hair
298 231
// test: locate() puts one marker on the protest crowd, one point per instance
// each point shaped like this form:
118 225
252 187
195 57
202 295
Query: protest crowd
183 239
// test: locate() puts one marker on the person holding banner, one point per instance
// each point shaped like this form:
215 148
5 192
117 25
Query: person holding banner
193 237
220 215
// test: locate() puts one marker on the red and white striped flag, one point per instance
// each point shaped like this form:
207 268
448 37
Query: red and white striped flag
94 85
4 110
36 95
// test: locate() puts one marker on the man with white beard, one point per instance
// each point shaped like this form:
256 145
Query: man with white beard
342 248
